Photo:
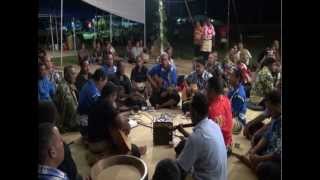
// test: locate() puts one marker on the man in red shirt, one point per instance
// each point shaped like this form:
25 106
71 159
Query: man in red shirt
220 108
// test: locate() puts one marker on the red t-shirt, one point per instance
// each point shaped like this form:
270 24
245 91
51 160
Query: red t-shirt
220 111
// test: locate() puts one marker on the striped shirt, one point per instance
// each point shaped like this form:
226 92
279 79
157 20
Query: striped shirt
49 173
200 80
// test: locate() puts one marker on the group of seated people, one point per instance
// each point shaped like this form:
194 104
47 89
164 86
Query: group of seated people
215 95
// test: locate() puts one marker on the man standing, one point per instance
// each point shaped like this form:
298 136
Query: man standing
197 35
204 151
51 153
208 35
163 78
66 100
88 95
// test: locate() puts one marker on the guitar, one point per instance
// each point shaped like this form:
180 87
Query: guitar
183 125
121 140
119 136
186 94
157 83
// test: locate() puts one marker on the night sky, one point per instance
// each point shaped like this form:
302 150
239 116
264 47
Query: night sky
248 11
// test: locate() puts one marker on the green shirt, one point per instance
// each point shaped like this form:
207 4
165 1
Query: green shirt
67 103
264 82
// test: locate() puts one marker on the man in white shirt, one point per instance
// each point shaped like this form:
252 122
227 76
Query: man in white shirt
204 154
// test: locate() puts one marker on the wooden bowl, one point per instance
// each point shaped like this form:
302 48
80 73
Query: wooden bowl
120 160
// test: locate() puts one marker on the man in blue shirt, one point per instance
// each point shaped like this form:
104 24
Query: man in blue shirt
109 68
265 156
237 96
163 79
46 89
51 153
88 95
204 152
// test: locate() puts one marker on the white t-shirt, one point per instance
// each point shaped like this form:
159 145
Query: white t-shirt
205 152
136 51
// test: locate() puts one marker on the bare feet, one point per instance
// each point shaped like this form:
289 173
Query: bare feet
244 160
142 150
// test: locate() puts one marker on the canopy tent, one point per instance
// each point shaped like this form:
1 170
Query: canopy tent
130 9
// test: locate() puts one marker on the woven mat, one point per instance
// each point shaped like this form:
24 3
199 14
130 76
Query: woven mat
143 136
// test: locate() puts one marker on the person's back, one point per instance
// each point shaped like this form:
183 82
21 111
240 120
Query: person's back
99 120
211 158
87 96
220 111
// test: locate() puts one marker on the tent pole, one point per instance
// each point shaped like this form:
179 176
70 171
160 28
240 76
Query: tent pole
228 27
56 24
61 32
51 32
145 26
161 26
74 35
110 20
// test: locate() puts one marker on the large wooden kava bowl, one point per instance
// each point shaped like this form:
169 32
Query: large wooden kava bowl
120 160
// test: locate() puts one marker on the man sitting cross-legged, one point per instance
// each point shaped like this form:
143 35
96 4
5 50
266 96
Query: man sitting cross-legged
127 97
196 81
66 100
139 78
88 96
104 117
220 109
265 156
163 79
204 153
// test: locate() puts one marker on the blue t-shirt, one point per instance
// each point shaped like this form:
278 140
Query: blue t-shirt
46 89
273 137
109 71
169 76
237 98
88 95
